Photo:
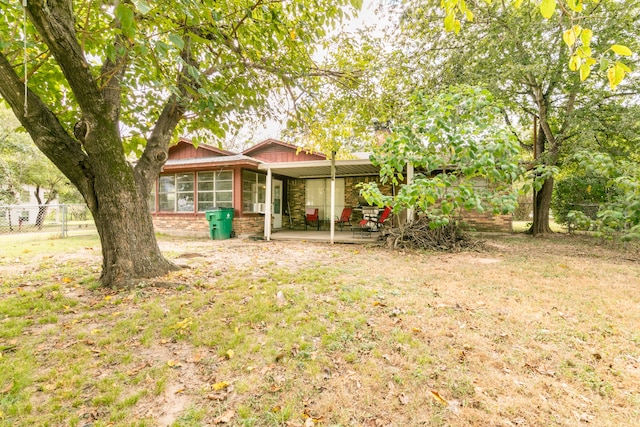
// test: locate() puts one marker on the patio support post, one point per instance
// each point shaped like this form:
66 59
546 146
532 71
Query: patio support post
332 223
267 207
409 181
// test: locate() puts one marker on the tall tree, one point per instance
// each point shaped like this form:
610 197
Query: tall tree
93 81
522 58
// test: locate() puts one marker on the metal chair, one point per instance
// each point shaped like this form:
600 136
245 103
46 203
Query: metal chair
345 218
376 224
311 215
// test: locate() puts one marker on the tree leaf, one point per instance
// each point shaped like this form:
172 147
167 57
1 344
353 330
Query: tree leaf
574 62
142 6
585 37
176 40
569 37
125 16
585 70
621 50
615 75
449 21
547 7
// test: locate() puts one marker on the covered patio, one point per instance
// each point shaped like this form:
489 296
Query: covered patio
318 169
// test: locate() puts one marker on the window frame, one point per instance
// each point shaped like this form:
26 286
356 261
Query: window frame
257 197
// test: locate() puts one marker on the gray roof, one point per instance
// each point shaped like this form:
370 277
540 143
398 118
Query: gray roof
207 160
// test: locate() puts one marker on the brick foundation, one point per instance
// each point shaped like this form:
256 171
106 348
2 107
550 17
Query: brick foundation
198 226
487 222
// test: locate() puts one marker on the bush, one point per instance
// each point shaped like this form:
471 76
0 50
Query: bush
583 193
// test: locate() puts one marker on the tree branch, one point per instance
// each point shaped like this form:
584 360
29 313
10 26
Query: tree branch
45 129
156 152
54 21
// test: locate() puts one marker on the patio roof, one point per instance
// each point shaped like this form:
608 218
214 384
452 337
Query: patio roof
322 168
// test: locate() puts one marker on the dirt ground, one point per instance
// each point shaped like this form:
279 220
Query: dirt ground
523 332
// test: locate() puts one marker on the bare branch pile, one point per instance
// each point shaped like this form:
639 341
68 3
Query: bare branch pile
419 235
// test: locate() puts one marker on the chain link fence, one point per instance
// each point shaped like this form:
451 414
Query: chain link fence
54 219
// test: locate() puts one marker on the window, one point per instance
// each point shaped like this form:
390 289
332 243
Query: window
254 187
176 193
318 195
215 189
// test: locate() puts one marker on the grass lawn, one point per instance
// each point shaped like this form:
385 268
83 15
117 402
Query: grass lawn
526 332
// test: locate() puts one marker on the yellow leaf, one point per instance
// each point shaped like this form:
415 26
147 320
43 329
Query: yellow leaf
66 280
584 52
220 386
173 364
456 26
95 331
569 37
574 62
585 70
575 5
107 297
614 81
469 15
438 398
621 50
292 34
229 354
623 66
517 3
449 21
547 7
585 37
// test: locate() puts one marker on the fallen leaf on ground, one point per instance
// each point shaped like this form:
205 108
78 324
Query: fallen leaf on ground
7 389
173 364
228 354
225 418
280 299
404 399
219 386
438 398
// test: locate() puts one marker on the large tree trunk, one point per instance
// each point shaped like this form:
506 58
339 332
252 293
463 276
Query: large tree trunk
94 159
541 205
119 203
130 251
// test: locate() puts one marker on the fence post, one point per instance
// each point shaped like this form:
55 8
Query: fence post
63 219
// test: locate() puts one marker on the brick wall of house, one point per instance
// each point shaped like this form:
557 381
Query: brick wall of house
296 197
487 222
198 226
181 225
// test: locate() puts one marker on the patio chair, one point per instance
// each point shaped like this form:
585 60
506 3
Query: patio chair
311 215
376 224
345 218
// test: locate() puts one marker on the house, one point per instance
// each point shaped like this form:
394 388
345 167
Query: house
197 179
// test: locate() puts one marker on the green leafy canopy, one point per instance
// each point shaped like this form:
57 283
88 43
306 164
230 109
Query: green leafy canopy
463 154
233 55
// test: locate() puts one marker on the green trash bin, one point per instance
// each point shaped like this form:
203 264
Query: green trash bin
220 223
